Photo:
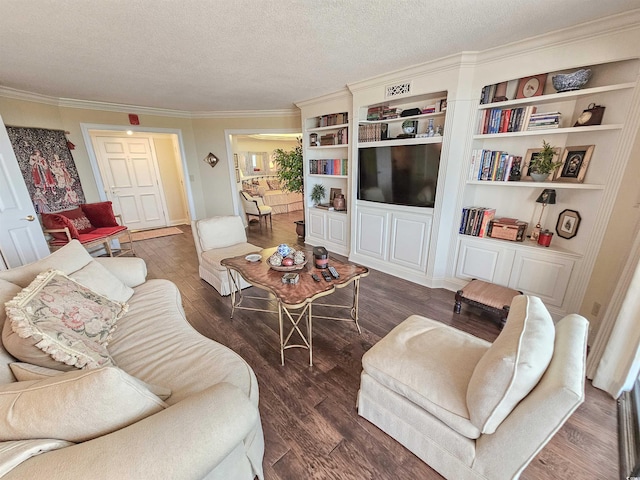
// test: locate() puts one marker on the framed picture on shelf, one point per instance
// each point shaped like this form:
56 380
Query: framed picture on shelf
531 86
568 223
332 194
575 162
531 153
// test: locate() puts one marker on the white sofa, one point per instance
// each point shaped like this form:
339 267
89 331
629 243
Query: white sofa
471 409
217 238
209 426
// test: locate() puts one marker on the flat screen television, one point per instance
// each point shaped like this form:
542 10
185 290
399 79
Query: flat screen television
400 174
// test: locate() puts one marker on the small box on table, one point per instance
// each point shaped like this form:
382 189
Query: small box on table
507 229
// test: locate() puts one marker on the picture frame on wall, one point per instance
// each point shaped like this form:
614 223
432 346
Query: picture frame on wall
235 161
568 223
237 176
531 153
532 86
575 162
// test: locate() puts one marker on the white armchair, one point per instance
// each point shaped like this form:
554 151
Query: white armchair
255 207
217 238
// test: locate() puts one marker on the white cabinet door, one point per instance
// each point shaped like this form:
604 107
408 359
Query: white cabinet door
484 261
337 228
372 228
316 227
543 275
409 240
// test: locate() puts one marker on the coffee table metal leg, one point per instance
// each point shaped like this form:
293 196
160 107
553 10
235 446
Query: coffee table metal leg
310 335
295 327
356 296
281 333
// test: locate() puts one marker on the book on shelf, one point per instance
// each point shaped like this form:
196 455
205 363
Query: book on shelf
504 120
373 132
475 220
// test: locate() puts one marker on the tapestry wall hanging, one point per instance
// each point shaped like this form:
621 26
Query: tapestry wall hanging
47 167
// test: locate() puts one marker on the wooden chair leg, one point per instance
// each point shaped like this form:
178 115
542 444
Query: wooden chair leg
270 222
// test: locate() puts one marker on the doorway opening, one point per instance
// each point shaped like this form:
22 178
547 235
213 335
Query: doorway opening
142 172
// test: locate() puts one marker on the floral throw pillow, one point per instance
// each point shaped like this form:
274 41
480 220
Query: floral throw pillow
64 319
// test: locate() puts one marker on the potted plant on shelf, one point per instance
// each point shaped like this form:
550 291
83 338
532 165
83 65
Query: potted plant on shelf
542 163
318 192
291 175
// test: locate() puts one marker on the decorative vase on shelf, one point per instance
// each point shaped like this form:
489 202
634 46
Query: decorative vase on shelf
339 203
539 177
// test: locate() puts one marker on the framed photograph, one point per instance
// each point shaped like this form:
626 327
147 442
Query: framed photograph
443 105
531 86
332 194
575 162
531 153
568 223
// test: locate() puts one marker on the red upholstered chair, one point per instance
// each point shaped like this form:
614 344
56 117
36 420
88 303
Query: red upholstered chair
92 224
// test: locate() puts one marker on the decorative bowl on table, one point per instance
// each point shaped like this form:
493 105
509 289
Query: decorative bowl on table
566 82
286 259
253 257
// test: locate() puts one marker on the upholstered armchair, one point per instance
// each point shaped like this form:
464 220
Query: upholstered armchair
92 224
255 207
217 238
471 409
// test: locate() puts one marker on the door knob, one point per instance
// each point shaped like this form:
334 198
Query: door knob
30 218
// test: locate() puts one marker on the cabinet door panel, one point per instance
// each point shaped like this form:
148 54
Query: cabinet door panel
410 240
372 228
337 230
545 276
316 225
484 262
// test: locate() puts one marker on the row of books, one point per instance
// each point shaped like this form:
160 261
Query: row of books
493 165
383 112
503 120
338 138
542 121
373 132
475 220
329 166
333 119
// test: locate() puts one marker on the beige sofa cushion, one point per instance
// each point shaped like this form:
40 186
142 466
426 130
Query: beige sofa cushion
25 372
75 406
68 259
513 365
220 232
430 364
55 319
97 278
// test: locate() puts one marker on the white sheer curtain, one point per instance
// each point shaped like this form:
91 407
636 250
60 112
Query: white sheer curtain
614 363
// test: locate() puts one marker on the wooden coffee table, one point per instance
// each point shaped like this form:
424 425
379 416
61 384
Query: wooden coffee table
294 301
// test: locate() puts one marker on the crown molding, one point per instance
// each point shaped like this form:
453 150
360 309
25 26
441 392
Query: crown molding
121 108
337 95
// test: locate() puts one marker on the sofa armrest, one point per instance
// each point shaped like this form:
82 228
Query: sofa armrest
131 271
185 441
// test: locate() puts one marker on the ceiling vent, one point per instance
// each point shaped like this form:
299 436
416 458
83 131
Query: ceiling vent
392 91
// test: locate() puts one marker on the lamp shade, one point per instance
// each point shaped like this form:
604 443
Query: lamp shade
548 196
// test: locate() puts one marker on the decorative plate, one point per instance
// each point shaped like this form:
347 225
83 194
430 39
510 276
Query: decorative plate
290 268
254 257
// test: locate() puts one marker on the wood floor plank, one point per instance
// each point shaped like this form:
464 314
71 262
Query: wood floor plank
312 429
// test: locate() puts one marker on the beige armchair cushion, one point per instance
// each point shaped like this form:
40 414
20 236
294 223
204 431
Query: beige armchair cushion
513 365
430 364
220 232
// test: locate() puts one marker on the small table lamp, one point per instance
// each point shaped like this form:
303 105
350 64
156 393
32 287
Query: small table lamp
547 197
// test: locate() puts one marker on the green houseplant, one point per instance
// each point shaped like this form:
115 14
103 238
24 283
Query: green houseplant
290 169
318 192
542 163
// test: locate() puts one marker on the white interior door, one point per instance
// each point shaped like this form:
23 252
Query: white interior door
21 237
132 180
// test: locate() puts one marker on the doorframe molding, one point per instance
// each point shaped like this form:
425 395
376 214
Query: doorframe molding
93 160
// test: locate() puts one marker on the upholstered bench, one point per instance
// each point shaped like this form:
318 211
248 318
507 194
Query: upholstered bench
487 296
92 224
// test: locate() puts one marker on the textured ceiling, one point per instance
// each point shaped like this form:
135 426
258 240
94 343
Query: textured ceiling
214 55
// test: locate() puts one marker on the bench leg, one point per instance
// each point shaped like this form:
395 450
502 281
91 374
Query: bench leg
458 305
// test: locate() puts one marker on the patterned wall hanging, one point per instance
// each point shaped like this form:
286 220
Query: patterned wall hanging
47 167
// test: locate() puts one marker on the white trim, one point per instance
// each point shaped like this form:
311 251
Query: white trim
86 135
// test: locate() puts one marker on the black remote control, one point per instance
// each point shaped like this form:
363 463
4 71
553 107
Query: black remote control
315 277
333 272
326 276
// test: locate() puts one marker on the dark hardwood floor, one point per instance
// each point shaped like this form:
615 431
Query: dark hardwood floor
311 426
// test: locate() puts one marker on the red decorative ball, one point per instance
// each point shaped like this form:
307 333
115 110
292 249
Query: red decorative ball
287 262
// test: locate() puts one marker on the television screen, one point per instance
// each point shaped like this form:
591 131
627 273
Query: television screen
401 174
